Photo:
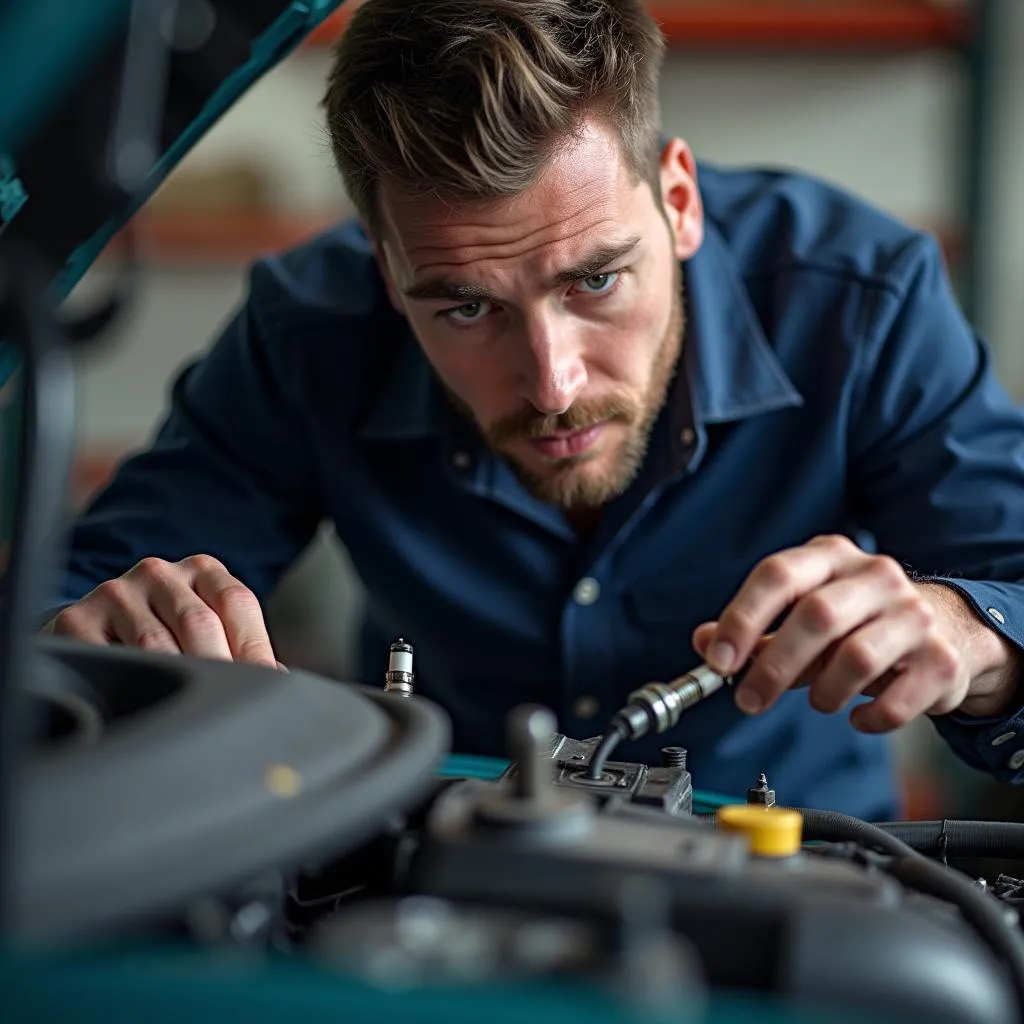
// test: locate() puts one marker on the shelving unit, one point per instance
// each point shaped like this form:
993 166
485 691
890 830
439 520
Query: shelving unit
786 24
802 26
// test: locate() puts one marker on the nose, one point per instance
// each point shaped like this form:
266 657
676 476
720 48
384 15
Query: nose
554 373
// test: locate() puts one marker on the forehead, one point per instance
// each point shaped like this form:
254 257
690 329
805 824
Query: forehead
583 195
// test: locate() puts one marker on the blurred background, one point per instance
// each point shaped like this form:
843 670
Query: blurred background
917 105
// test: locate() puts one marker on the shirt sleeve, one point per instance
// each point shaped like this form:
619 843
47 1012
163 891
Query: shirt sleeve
937 473
230 472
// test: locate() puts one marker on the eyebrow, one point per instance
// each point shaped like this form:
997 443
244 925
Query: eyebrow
593 263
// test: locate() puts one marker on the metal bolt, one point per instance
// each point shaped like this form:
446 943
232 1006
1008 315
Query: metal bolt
761 794
530 734
673 757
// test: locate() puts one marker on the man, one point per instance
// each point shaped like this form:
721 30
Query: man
577 408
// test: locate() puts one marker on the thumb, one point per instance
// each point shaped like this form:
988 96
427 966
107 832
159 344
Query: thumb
702 637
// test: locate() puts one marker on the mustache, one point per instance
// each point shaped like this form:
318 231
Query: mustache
529 423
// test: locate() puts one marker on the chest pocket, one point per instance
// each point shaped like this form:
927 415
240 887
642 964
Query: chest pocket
663 612
682 597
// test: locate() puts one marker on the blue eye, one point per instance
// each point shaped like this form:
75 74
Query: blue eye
598 284
468 313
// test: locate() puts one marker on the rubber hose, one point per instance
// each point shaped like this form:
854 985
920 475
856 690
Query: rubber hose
980 910
831 826
962 838
611 739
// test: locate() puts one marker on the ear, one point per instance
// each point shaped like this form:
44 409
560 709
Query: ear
680 197
380 255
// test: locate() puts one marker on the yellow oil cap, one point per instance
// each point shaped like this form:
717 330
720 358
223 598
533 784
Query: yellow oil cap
771 831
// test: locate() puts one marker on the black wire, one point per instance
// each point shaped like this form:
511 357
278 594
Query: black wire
984 913
609 741
831 826
915 871
961 838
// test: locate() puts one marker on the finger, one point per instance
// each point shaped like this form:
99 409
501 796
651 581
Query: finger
934 681
774 585
871 653
704 634
81 622
752 705
239 612
818 620
702 637
119 607
137 625
196 627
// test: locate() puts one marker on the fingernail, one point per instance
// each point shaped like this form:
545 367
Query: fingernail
721 656
748 701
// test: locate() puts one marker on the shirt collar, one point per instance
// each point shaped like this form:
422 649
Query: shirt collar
730 368
733 370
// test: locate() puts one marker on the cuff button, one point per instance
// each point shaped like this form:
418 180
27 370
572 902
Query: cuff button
996 614
1016 760
1003 737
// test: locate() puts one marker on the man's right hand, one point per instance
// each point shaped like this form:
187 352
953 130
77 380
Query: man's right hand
194 606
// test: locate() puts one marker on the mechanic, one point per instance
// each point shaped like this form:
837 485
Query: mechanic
584 412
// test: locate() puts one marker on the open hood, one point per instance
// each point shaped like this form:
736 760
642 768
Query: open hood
64 63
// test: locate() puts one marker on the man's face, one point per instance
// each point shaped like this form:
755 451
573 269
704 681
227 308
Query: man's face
553 319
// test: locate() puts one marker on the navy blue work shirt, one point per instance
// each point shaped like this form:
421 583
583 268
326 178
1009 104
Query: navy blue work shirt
829 383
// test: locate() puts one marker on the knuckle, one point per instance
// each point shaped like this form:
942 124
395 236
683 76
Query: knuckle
860 658
737 622
835 542
152 569
944 659
198 620
776 570
113 591
255 648
69 621
236 598
203 563
153 640
921 612
818 613
888 571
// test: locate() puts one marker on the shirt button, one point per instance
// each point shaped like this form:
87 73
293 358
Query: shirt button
997 615
686 436
586 706
1003 737
587 591
1016 760
461 460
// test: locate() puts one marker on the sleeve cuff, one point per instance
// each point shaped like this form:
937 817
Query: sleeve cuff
994 745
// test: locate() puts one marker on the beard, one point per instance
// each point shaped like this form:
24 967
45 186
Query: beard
574 482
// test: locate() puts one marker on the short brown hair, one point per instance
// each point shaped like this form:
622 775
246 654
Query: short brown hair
469 99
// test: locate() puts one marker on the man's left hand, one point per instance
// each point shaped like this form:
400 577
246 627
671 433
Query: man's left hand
857 624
